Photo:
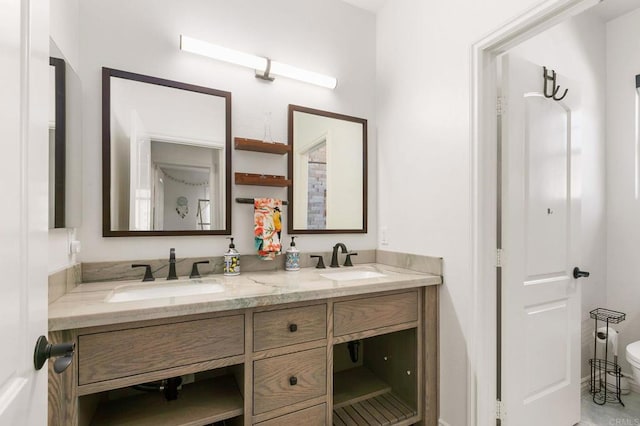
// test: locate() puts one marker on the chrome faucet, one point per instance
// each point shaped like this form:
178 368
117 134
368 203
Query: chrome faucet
172 265
334 254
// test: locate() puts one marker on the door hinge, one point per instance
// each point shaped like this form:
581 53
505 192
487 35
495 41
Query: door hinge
501 105
500 410
499 258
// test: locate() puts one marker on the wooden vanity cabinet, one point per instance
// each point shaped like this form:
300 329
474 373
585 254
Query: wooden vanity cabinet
287 364
96 391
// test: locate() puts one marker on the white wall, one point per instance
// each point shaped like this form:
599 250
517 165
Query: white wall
576 50
64 31
424 193
326 36
623 212
173 190
165 111
64 28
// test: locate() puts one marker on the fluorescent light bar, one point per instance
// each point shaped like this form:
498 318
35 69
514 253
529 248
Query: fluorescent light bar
284 70
220 53
261 65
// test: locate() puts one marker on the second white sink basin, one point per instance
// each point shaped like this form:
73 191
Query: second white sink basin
352 275
128 293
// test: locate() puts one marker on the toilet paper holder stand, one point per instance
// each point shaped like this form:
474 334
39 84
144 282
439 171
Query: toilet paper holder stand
605 374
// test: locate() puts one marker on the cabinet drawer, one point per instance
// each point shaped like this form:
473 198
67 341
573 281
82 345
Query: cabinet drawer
312 416
285 327
369 313
121 353
288 379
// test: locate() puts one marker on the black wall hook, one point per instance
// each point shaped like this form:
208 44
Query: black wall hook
554 88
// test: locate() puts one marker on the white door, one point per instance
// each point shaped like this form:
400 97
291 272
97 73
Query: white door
140 174
24 59
540 218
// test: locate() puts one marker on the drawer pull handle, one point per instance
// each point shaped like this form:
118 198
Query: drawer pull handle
293 380
293 328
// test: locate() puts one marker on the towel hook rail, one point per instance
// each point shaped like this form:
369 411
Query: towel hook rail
555 88
251 201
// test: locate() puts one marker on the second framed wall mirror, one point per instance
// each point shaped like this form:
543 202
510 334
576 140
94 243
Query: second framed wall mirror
65 142
166 157
329 170
57 142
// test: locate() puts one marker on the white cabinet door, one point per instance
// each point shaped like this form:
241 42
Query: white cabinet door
24 68
540 218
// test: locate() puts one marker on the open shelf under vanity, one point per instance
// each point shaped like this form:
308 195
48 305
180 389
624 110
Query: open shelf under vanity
362 398
204 402
375 381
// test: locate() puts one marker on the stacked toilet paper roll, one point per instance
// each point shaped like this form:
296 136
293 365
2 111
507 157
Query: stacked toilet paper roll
609 342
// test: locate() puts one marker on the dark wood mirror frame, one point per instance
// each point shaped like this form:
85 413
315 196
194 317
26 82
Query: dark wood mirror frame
107 73
361 121
59 196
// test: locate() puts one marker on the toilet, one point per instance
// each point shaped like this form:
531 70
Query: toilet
633 356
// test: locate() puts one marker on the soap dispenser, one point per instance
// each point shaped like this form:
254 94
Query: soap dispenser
292 257
232 260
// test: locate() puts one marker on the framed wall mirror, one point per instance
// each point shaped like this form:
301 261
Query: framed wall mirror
65 142
328 165
57 142
166 157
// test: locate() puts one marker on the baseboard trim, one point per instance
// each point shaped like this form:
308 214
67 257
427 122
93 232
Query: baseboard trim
584 383
442 423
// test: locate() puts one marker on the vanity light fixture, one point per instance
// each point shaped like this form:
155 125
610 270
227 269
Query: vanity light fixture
265 67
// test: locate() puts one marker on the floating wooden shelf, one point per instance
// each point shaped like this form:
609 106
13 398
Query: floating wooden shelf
261 180
361 398
199 403
244 144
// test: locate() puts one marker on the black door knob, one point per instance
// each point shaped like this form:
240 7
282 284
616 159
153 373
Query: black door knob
63 353
577 273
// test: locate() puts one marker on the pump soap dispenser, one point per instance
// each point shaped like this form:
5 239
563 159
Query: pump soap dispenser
292 257
232 260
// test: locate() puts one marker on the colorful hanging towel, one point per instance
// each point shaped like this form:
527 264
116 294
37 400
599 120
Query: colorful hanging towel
268 227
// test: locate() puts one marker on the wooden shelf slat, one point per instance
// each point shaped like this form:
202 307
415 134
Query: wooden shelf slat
244 144
356 384
361 399
199 403
261 180
385 409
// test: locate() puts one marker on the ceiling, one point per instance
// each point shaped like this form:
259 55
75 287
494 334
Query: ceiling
370 5
611 9
607 9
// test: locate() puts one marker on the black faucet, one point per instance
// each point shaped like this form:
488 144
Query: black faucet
334 254
148 275
172 265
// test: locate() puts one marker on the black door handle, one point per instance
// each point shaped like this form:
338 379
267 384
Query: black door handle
577 273
63 353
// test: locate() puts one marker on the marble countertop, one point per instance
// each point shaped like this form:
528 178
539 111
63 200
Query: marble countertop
87 305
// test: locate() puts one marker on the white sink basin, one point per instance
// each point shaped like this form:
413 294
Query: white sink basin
128 293
352 275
